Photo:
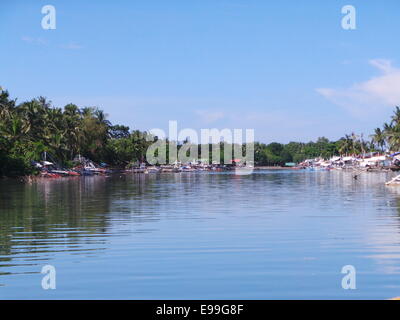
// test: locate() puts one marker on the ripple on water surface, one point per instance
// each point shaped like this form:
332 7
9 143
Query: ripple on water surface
272 234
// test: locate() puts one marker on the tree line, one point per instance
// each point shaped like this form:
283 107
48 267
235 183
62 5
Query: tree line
30 128
386 139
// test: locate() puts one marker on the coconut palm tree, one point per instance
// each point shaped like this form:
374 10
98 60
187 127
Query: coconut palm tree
379 138
345 144
6 106
396 116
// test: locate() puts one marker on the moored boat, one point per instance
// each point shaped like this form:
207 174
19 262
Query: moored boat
394 182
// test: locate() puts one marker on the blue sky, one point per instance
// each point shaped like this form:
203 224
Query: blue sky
285 69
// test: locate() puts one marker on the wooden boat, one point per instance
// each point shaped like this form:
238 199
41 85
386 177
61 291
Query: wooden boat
46 174
242 171
153 169
73 173
394 182
95 170
136 170
65 172
188 169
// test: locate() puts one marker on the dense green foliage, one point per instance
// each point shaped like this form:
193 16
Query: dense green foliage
279 154
29 129
389 137
386 139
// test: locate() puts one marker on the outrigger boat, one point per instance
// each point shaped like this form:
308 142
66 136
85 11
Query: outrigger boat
395 181
65 172
244 170
47 174
188 169
152 169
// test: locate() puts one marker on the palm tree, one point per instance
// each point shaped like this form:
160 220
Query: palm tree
43 102
345 145
7 106
392 131
355 144
379 138
102 121
73 128
13 129
396 116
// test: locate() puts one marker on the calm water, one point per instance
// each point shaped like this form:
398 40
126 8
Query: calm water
270 235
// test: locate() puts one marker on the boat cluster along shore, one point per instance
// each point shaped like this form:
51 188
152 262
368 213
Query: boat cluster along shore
86 167
366 162
358 164
82 167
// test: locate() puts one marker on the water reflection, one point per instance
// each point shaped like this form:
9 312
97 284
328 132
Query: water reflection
276 234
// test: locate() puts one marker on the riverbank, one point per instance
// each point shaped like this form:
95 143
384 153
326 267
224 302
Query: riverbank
159 170
275 168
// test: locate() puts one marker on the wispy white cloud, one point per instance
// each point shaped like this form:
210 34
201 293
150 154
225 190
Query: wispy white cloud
370 95
71 46
208 116
33 40
41 41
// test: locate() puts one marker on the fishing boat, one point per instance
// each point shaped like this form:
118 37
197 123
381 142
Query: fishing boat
188 169
244 170
152 169
170 168
137 168
65 172
95 170
394 182
46 174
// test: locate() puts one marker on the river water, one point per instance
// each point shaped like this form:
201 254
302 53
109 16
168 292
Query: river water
269 235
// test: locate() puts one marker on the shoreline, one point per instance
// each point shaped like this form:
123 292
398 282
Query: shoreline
31 178
275 168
